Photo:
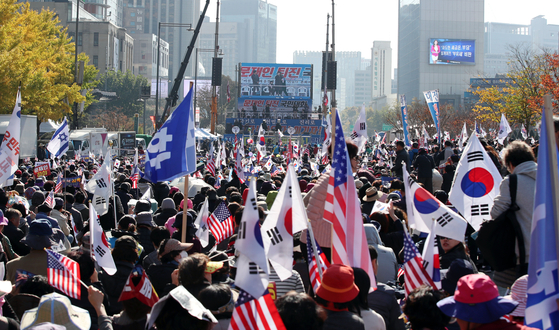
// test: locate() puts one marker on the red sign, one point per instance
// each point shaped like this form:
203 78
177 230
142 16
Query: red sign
41 169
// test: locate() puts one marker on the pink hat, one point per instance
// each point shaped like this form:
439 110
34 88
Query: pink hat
518 293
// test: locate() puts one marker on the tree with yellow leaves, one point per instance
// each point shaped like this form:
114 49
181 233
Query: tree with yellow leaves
36 53
520 96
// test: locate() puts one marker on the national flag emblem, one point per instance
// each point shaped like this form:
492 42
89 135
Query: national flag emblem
414 273
221 223
343 210
251 313
211 166
135 177
50 199
58 187
64 274
314 274
274 171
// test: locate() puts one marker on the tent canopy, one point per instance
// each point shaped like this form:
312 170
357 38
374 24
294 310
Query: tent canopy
203 134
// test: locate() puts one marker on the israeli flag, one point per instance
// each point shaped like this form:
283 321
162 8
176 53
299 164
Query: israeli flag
543 283
172 151
58 144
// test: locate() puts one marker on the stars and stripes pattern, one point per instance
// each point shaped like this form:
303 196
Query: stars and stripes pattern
414 273
211 166
221 223
63 273
50 199
135 177
343 210
58 187
255 314
274 171
314 275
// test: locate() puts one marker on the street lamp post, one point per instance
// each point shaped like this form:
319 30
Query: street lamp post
157 82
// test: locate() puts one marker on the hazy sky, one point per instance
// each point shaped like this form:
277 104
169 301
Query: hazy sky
302 23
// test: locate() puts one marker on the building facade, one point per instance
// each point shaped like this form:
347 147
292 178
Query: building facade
381 68
499 37
256 25
457 27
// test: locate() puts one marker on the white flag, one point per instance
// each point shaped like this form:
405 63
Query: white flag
287 216
100 248
101 187
463 136
58 144
359 135
9 151
431 257
423 209
476 183
202 224
261 144
504 129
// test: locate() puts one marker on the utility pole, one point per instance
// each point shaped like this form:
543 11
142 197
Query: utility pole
325 71
214 83
333 91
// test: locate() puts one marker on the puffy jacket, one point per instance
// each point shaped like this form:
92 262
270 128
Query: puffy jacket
314 201
525 190
114 284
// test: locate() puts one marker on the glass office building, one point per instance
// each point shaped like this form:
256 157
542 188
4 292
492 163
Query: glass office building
440 46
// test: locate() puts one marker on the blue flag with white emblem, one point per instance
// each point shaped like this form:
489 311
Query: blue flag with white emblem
58 144
172 151
543 284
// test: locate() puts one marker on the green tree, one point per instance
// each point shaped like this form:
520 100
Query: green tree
36 52
127 86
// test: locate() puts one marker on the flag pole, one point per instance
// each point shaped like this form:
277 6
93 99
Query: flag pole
185 189
334 118
554 175
315 252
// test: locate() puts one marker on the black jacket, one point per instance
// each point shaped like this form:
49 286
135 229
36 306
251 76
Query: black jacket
424 164
163 215
14 234
114 284
401 156
383 301
160 276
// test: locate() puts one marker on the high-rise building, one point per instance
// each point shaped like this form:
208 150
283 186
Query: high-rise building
381 68
256 26
499 37
106 10
179 12
231 44
440 46
363 87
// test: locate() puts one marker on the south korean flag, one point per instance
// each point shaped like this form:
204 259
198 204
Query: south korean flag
423 208
476 183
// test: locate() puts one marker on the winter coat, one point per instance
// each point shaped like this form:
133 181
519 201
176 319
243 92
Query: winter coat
424 165
164 215
314 201
114 284
525 190
401 156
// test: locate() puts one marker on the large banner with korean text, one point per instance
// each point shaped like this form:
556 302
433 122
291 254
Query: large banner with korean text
272 80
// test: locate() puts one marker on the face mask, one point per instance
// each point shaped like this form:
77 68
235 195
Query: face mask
182 255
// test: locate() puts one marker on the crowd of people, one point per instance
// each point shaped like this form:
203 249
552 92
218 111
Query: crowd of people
195 285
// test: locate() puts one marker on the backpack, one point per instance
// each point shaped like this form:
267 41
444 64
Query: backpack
496 238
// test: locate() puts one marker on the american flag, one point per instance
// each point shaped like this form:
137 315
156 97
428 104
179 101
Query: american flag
325 159
63 274
135 176
255 314
50 199
414 272
58 187
274 171
343 210
221 223
313 267
211 166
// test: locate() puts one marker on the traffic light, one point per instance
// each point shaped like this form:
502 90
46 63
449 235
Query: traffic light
216 71
332 74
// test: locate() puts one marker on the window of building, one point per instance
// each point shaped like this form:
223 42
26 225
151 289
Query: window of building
80 38
96 39
133 23
133 14
96 61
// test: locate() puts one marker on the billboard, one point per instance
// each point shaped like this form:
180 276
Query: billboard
271 80
452 51
249 107
310 129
